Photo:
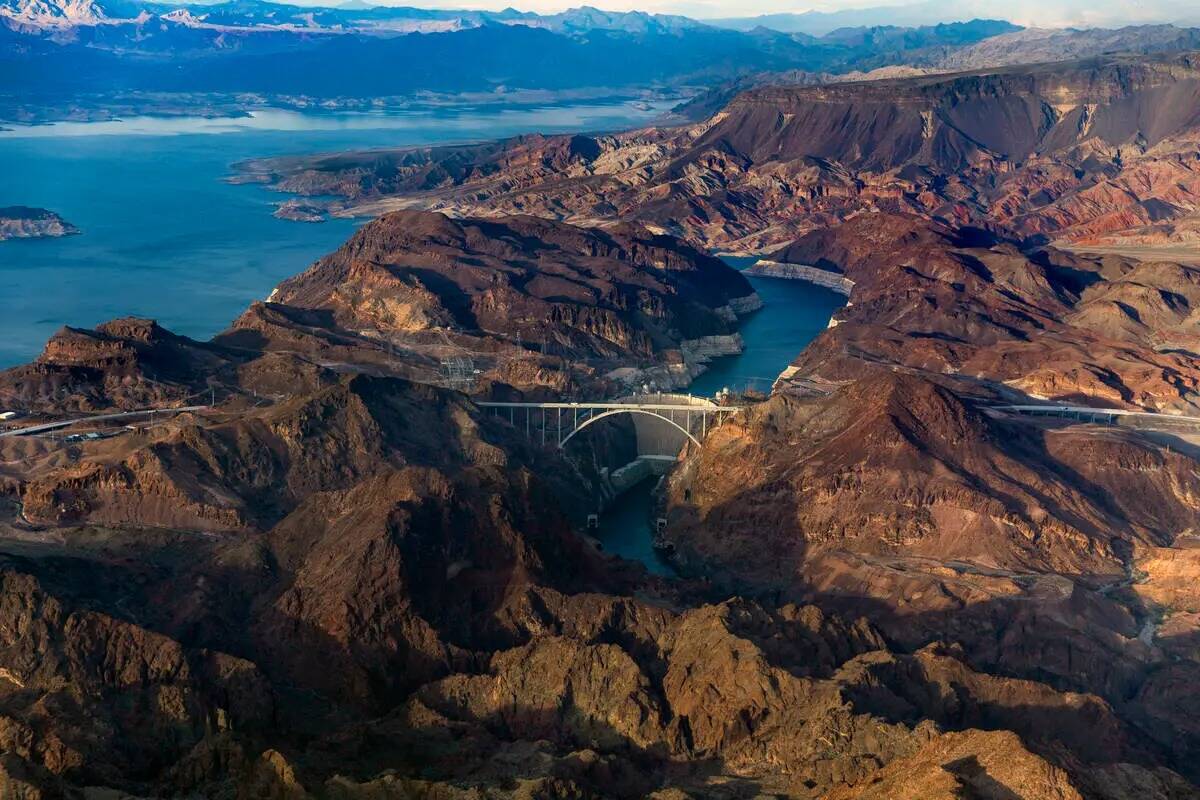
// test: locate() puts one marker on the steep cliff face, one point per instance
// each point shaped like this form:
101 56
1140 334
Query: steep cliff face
902 492
518 292
1105 332
1084 151
949 123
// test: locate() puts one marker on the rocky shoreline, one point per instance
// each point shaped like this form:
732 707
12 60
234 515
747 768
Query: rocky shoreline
694 356
300 211
24 222
803 272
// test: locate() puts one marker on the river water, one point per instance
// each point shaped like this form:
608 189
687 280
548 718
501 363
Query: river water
793 313
164 236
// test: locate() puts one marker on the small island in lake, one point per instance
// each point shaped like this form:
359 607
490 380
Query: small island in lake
300 211
23 222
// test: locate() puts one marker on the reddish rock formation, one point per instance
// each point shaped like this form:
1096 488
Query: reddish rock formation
127 364
1105 332
899 465
364 587
1087 152
904 495
419 617
519 294
245 469
459 583
94 700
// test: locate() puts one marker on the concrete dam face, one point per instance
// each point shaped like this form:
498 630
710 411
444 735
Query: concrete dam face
659 440
666 434
626 439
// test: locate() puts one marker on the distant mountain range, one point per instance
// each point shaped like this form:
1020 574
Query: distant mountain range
357 16
58 54
1039 45
1024 46
1030 13
96 58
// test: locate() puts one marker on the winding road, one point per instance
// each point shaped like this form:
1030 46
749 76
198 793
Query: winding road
50 426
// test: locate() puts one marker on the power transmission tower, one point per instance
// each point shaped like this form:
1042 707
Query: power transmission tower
457 369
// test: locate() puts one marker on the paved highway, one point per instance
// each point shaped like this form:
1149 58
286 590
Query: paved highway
1079 412
50 426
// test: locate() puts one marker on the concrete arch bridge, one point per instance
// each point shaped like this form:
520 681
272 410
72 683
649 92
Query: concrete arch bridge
664 423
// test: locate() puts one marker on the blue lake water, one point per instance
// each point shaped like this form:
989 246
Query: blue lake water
165 237
793 313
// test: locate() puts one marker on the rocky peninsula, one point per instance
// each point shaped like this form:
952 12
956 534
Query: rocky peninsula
24 222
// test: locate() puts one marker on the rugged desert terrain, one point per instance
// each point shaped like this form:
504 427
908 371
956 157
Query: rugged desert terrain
338 577
1096 152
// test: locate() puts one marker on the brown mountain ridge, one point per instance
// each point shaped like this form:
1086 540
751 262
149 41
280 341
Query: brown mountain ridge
1084 152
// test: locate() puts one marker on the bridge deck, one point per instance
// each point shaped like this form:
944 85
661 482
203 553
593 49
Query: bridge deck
691 420
705 409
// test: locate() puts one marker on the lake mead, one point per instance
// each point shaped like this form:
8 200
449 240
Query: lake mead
164 236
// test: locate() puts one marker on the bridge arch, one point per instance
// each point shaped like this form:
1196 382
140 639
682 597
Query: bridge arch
614 411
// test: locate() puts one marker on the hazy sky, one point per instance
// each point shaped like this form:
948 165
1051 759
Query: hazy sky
1050 13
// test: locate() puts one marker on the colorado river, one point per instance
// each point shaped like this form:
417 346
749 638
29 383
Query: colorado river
625 528
793 313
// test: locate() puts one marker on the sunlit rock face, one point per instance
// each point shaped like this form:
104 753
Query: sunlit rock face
526 296
22 222
1095 152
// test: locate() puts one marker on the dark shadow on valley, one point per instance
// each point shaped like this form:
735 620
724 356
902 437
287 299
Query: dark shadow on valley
1064 642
